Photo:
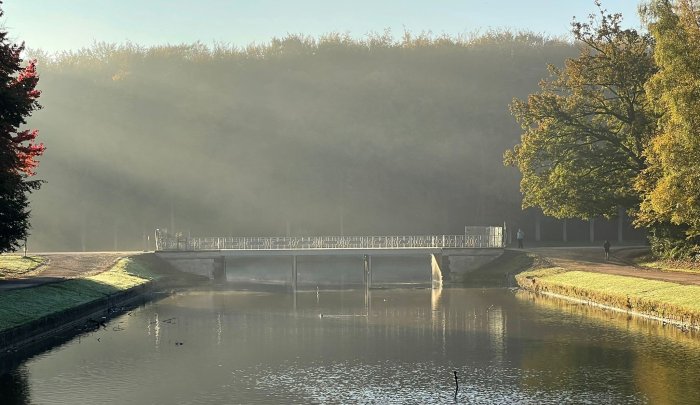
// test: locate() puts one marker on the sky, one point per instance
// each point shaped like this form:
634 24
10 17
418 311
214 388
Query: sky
59 25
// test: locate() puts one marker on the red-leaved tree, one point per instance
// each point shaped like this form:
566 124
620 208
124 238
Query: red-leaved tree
18 147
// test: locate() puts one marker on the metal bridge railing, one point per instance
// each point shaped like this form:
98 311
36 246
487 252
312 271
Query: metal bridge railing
474 237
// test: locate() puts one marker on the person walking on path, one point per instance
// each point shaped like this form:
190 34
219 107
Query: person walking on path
606 246
520 236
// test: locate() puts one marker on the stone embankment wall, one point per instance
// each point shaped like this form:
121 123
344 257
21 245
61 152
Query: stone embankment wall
37 330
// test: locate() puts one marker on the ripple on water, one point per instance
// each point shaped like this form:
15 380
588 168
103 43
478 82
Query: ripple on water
416 383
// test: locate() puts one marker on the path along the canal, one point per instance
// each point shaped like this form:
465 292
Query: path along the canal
592 259
62 266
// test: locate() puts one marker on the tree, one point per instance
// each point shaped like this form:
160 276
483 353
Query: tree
671 183
18 150
586 130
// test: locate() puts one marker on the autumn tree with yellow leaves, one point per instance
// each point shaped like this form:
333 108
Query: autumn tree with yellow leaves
671 183
619 126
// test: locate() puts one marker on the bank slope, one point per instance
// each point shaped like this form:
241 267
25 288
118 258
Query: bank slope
673 302
22 306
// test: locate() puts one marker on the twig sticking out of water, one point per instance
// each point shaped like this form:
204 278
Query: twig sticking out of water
456 384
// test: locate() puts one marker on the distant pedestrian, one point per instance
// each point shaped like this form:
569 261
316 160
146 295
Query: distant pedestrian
606 246
520 236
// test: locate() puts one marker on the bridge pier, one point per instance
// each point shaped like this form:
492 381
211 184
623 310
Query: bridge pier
436 270
367 265
294 274
218 269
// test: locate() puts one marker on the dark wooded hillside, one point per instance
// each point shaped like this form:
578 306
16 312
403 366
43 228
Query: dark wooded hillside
395 137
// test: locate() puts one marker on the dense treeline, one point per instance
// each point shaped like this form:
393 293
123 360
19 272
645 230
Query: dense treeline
298 135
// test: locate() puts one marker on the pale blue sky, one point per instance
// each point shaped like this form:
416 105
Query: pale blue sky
56 25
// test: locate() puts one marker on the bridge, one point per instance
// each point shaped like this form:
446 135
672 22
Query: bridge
474 237
235 258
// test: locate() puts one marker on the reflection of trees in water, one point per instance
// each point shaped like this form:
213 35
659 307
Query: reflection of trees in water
497 331
597 316
14 387
663 360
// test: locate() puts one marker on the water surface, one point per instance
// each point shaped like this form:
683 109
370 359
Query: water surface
398 346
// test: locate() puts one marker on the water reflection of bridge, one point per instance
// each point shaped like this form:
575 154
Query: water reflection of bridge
216 257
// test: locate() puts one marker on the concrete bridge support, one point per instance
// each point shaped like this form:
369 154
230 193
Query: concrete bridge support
367 267
294 274
328 268
436 270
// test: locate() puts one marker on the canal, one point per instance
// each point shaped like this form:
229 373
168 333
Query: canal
395 346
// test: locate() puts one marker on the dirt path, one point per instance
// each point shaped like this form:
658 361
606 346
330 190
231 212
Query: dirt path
592 259
64 266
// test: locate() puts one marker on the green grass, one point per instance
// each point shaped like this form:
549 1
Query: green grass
652 297
28 304
16 265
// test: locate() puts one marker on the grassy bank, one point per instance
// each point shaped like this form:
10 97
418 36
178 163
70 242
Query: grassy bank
676 302
28 304
16 265
597 316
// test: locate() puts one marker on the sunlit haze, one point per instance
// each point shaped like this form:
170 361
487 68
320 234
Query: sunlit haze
360 201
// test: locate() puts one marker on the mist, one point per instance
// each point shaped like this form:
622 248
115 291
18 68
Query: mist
306 136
